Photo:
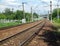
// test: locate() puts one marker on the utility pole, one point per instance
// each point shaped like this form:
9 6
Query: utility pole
32 14
23 10
48 15
51 10
24 19
58 10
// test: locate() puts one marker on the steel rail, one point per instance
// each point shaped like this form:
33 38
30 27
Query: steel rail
19 33
32 35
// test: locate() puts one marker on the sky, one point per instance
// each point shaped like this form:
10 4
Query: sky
38 6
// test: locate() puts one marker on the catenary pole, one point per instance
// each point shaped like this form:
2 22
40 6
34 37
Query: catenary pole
51 10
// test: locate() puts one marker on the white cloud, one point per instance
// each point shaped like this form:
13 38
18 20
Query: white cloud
36 4
9 4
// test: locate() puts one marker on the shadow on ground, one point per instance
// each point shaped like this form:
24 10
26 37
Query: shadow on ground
52 37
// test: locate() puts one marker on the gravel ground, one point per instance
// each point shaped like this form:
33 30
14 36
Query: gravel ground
12 31
45 37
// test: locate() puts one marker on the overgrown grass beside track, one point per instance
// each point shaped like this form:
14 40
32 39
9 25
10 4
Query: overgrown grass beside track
56 22
9 24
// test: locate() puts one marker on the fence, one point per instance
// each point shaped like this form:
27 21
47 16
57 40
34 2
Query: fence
8 21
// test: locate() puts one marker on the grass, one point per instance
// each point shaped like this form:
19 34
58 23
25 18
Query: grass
9 24
56 22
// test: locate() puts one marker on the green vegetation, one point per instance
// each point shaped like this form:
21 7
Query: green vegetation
18 15
14 15
54 14
56 22
9 24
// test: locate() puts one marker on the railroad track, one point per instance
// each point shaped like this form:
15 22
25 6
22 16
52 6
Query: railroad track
22 37
4 34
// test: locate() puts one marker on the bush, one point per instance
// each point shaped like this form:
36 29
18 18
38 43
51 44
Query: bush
56 20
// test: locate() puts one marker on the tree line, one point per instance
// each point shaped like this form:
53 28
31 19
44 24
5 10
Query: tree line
18 15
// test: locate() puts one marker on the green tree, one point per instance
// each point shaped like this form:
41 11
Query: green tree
8 13
2 16
28 16
18 15
35 15
54 14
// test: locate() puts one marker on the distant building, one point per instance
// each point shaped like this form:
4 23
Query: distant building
44 16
